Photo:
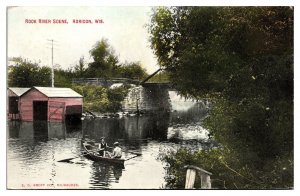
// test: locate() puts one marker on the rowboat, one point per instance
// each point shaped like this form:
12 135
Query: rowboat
92 154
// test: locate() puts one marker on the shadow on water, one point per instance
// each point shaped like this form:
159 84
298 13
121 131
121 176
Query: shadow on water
41 131
103 174
13 129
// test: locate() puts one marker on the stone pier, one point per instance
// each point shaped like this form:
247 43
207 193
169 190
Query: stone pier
148 98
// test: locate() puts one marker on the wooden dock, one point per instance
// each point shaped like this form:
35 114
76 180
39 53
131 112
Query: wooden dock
191 176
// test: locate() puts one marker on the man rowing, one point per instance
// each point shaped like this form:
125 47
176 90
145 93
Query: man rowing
102 148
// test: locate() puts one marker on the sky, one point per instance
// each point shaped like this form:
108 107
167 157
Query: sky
123 27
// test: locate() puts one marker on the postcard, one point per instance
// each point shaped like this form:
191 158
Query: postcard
144 98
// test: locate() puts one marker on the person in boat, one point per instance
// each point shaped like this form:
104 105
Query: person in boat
102 147
117 152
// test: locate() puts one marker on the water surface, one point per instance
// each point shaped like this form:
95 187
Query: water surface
35 147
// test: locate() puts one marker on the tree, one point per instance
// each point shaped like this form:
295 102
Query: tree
105 62
242 59
63 78
28 74
133 71
80 69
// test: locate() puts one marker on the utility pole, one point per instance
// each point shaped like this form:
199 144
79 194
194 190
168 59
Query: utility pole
52 67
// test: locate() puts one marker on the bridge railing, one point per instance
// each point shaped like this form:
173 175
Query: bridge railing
104 81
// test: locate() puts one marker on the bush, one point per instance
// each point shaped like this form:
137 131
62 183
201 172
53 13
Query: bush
228 172
101 99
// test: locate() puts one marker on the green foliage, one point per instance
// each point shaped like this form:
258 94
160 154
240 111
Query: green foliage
212 43
63 78
132 71
105 61
116 96
80 69
95 97
106 64
28 74
100 99
227 170
241 58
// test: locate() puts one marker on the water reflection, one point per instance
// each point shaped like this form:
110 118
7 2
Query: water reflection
35 147
128 129
103 174
131 130
37 131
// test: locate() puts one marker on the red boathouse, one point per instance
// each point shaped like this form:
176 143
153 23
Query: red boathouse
51 104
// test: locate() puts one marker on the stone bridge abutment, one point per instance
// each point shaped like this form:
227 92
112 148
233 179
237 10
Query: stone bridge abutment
147 98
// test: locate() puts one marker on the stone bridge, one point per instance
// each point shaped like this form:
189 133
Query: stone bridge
143 96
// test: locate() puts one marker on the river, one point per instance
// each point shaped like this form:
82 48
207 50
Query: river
34 149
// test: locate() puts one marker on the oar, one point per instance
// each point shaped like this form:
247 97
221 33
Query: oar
132 157
136 155
69 159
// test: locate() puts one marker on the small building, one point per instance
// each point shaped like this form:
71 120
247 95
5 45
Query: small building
13 107
51 104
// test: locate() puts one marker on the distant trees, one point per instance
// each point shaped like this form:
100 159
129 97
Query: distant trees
132 70
28 74
63 78
105 64
241 58
80 69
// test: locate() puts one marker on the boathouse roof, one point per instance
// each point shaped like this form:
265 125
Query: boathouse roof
58 92
18 91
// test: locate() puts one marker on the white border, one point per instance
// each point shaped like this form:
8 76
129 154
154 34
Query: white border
5 3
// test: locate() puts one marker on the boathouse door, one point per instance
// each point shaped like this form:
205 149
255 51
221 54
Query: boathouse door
13 105
40 110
